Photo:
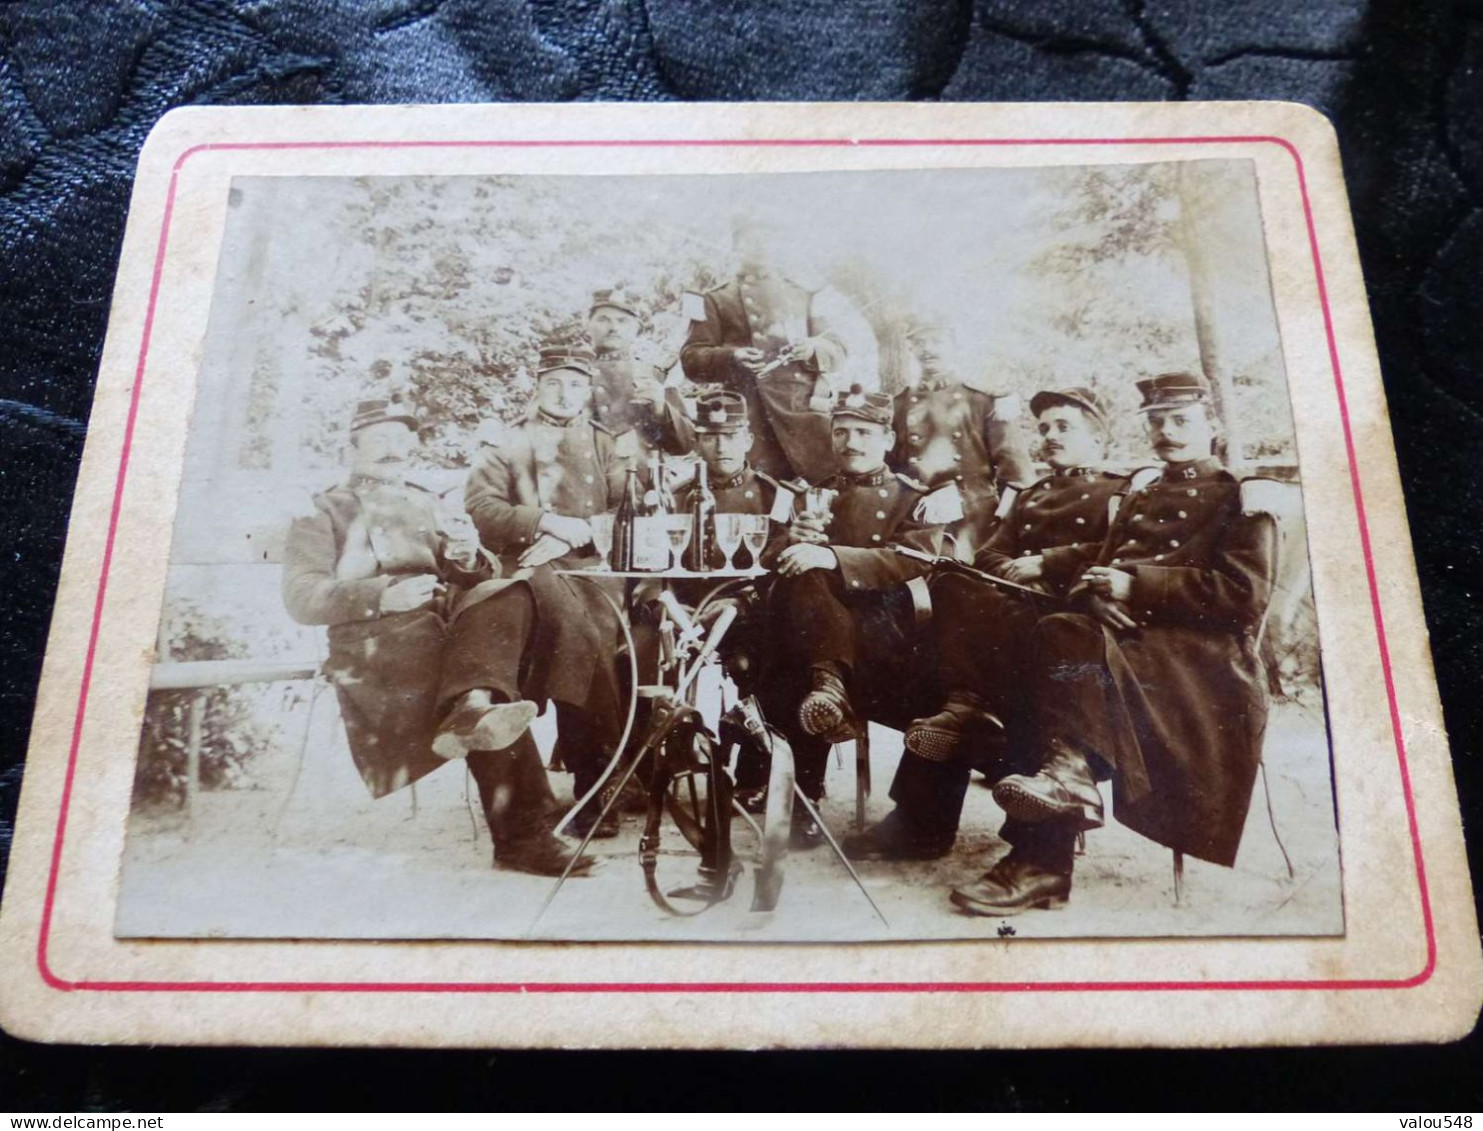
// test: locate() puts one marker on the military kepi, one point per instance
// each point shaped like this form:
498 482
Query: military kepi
625 299
720 411
878 408
1078 395
381 411
1169 390
566 355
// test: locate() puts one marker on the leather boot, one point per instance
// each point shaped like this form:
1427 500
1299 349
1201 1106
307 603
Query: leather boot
825 710
1063 790
543 855
1013 885
965 717
894 838
477 723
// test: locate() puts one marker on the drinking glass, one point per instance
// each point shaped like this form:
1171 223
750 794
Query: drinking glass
679 527
602 537
729 535
754 534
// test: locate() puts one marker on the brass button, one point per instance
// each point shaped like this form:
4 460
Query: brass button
875 537
880 514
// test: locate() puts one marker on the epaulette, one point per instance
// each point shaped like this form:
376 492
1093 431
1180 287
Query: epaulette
1275 497
1144 478
915 484
771 482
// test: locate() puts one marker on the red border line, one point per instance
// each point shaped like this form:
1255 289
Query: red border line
44 934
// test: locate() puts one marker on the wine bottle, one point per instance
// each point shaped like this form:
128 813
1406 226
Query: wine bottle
625 523
650 538
702 553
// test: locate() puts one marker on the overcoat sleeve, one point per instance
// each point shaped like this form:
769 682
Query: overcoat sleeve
676 432
1003 545
863 568
491 500
1231 596
705 357
1007 454
311 591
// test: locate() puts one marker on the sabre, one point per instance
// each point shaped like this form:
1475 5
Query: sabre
955 566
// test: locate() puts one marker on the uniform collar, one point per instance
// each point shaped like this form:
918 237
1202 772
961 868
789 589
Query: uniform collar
869 479
542 417
1076 473
735 480
1193 469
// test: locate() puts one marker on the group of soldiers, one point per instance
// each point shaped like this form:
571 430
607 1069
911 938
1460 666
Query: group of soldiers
1098 626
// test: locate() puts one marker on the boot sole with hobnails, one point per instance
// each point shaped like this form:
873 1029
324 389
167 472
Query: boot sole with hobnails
823 717
496 729
1026 804
933 743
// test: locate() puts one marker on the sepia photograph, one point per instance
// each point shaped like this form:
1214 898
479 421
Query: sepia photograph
777 557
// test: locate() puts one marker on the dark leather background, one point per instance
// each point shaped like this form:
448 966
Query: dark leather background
81 83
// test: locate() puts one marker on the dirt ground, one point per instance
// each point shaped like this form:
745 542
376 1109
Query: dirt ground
307 854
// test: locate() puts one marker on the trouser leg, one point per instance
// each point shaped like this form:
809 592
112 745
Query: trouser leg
929 795
486 644
514 792
811 609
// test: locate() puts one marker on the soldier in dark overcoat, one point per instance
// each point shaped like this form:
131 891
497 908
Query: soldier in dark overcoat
950 434
548 637
845 644
1052 532
766 337
629 397
371 562
1157 684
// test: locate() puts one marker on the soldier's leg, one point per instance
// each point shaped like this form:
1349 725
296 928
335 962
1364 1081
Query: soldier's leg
1072 726
482 706
519 806
821 639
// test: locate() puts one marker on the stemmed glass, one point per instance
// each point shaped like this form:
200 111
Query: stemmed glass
754 533
729 535
679 527
602 537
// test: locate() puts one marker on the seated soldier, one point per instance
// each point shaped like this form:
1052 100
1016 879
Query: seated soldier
370 562
1156 684
843 622
1051 533
547 636
722 440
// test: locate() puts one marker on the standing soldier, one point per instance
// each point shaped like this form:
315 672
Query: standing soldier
629 398
1157 684
371 562
950 435
844 623
548 636
772 340
1053 531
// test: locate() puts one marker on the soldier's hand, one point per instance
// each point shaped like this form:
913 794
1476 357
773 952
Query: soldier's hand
749 358
804 556
650 391
807 528
1113 615
410 593
546 548
1023 571
572 530
1114 584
